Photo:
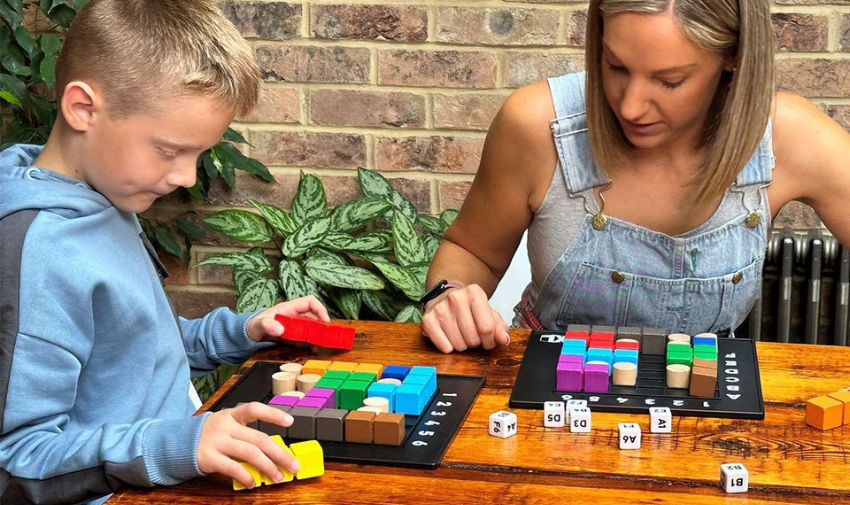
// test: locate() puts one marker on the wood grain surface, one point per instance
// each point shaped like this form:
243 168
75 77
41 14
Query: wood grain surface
788 461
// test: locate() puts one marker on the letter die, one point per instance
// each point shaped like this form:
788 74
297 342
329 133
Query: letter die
553 414
580 420
503 424
734 478
660 420
629 435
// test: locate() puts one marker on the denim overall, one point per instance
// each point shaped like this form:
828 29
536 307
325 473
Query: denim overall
621 274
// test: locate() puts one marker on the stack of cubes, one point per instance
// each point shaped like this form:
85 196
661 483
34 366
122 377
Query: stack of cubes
704 372
588 358
416 390
302 329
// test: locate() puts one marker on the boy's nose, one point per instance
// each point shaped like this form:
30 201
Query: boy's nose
184 174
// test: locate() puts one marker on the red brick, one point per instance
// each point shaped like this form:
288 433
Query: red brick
418 191
276 105
279 62
265 20
812 2
369 22
840 113
447 69
800 32
814 77
547 1
178 270
323 150
525 68
342 189
248 187
512 26
193 304
452 194
341 107
797 216
435 154
466 111
577 28
844 33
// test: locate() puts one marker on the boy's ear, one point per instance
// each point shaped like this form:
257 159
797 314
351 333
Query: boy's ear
79 104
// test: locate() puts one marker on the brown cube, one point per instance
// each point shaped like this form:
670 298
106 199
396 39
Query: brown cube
705 363
389 429
703 382
358 426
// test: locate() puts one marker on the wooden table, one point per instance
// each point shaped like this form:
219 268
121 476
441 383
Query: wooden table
788 461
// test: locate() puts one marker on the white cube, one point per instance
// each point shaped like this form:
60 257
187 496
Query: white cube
629 435
574 404
502 424
734 478
660 420
553 414
580 420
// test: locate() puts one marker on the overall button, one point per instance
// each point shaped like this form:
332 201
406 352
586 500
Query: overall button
736 277
618 277
31 173
753 219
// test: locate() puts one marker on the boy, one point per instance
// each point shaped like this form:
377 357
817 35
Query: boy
94 365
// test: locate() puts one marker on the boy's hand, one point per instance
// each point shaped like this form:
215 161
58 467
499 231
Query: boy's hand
263 326
225 441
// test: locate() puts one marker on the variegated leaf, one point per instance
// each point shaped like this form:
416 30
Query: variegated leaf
257 263
241 279
258 294
409 314
406 242
348 300
380 303
357 213
431 244
310 201
403 205
337 241
373 184
433 225
402 278
240 225
420 270
330 256
378 241
448 216
279 219
310 234
292 280
331 273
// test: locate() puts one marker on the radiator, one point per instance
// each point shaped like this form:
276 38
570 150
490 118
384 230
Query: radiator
804 295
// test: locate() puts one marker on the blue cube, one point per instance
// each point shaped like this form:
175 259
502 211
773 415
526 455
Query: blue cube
395 372
628 355
384 390
408 399
606 355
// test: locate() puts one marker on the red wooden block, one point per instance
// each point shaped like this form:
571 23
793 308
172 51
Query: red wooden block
332 336
577 335
346 338
316 331
633 346
602 336
600 344
294 328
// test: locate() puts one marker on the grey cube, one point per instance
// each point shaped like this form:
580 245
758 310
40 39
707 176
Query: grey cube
585 328
304 425
632 332
604 329
330 425
271 428
654 341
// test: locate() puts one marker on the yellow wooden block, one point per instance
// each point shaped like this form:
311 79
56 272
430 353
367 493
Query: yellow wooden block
255 474
824 413
311 457
370 368
844 397
316 366
343 365
287 475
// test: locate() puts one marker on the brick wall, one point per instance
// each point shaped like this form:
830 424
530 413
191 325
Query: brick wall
409 88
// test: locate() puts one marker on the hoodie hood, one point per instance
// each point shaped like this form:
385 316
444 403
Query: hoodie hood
26 186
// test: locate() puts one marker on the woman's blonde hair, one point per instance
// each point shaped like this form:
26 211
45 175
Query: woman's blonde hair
141 53
740 31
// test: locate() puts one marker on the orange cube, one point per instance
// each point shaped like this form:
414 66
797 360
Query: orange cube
316 366
844 397
824 413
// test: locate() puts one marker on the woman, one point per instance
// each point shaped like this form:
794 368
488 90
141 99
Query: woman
647 186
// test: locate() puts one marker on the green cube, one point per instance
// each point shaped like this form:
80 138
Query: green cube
680 357
363 376
340 375
705 348
328 383
706 355
351 394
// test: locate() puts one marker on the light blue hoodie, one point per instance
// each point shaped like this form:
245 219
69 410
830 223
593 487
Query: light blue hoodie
94 365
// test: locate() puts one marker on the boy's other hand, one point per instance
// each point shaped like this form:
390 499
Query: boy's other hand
263 325
226 440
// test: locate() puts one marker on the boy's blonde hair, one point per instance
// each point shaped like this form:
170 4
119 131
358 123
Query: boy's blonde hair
740 31
142 53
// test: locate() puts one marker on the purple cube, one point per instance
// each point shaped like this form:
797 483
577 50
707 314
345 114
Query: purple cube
571 358
283 400
321 392
596 377
569 376
312 401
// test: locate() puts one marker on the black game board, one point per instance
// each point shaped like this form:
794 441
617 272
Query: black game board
426 437
738 392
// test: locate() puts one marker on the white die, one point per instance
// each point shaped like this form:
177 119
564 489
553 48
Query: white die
502 424
580 420
660 420
574 404
734 478
629 435
553 414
